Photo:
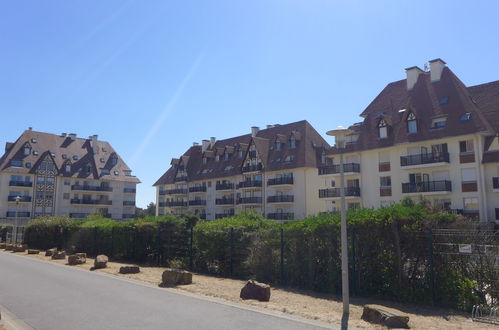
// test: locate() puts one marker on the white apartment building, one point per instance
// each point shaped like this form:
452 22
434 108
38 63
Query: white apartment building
427 136
273 171
44 174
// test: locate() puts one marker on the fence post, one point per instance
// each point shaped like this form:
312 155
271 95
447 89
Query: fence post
354 262
111 254
190 249
158 246
95 241
283 280
231 246
432 266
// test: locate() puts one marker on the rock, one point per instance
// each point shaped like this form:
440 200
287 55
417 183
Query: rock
129 270
255 290
100 261
176 277
50 252
59 255
389 317
18 248
33 251
77 259
9 247
2 245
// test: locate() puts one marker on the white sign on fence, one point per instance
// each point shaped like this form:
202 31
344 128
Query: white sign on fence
464 248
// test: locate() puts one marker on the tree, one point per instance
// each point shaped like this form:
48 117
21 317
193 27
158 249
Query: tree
150 210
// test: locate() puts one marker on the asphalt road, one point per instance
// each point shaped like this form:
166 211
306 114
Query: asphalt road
49 296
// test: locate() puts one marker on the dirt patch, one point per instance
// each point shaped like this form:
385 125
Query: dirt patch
306 304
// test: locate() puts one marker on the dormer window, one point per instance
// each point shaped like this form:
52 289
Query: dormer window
412 126
64 156
75 157
278 145
466 116
33 140
35 153
27 149
240 154
444 100
114 160
217 158
68 168
438 122
292 142
226 156
205 160
323 158
382 129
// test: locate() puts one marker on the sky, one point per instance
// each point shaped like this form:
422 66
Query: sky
152 77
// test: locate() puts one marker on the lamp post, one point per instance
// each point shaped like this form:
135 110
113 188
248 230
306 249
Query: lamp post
340 134
18 199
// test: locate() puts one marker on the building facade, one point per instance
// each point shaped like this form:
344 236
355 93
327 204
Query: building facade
427 136
44 174
273 171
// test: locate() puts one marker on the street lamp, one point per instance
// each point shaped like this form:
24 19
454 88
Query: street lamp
340 134
18 199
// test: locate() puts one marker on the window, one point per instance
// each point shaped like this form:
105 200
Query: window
240 154
102 160
40 179
278 145
470 204
75 157
114 160
28 165
217 158
323 158
385 181
353 206
33 140
116 173
226 156
292 142
468 175
50 166
52 154
466 146
466 116
438 123
16 163
205 160
27 150
50 180
64 156
67 183
68 168
412 126
444 100
382 129
35 153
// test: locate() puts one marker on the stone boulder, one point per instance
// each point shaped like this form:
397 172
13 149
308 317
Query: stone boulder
255 290
2 245
59 255
129 270
18 248
176 277
9 247
386 316
77 259
50 252
33 251
100 261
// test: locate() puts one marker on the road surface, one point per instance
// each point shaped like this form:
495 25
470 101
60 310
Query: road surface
50 296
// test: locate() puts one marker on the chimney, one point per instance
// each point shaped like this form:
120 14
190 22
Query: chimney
195 144
72 136
93 143
254 131
30 128
63 134
212 141
412 76
269 126
436 67
204 146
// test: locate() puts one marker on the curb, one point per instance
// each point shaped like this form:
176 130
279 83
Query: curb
11 322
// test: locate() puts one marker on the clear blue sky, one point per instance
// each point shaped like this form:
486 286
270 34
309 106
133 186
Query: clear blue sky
151 77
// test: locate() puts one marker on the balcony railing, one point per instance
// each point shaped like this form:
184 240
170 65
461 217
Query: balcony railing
224 201
197 189
281 199
181 178
495 182
281 216
196 202
335 169
12 214
178 191
278 181
336 192
249 200
128 203
249 184
91 201
224 215
421 159
129 190
91 188
252 168
428 186
23 199
20 184
224 186
175 204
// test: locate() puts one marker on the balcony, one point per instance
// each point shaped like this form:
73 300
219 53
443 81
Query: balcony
224 201
197 202
178 191
129 190
249 184
91 201
12 214
281 216
128 203
422 159
176 204
336 192
161 204
78 215
335 169
224 215
91 188
224 186
279 181
252 168
127 216
281 199
24 199
197 189
495 183
249 200
20 184
427 187
181 178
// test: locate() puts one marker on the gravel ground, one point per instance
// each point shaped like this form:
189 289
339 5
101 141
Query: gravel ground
307 304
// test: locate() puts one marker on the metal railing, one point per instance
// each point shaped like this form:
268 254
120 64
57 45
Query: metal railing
224 201
20 184
249 200
91 188
420 159
335 169
278 181
24 199
128 203
12 214
249 184
252 168
91 201
336 192
224 186
427 186
197 189
130 190
281 216
281 199
175 204
195 202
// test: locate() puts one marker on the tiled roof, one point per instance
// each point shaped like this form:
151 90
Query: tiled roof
64 150
309 145
424 100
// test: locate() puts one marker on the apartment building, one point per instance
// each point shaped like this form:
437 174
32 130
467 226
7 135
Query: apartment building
427 136
273 171
44 174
